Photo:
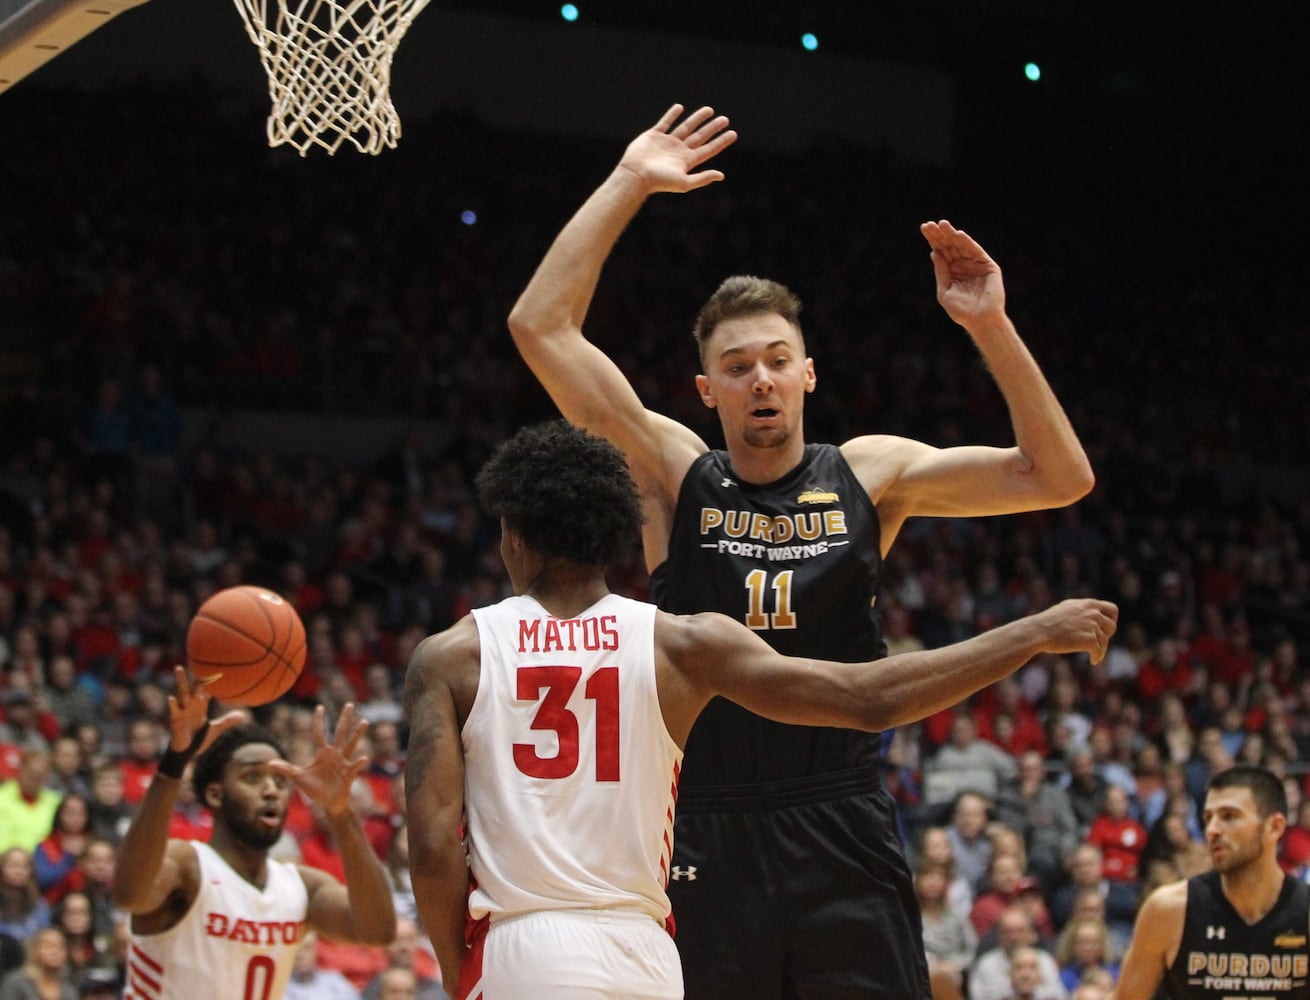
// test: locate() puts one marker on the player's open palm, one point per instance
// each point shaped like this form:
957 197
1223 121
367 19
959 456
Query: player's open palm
328 777
1080 625
969 284
188 711
665 157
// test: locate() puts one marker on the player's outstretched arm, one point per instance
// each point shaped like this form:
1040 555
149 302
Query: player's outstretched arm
1156 937
149 870
714 655
1047 467
362 910
434 791
546 322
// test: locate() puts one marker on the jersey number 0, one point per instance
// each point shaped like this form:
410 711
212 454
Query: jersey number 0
554 715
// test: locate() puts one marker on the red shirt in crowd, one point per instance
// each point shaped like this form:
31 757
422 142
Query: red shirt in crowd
1121 842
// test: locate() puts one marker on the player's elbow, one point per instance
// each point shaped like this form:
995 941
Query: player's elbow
1068 485
127 896
526 324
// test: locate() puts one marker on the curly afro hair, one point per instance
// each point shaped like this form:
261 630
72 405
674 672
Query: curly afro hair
565 492
209 765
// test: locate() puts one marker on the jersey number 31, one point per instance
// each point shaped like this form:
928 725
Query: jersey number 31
554 686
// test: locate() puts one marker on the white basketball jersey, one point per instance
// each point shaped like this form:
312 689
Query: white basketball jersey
236 942
571 775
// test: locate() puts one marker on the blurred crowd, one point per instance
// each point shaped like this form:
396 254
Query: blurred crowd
141 279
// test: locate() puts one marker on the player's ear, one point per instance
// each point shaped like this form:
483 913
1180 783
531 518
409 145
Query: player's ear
811 380
706 396
213 795
1277 825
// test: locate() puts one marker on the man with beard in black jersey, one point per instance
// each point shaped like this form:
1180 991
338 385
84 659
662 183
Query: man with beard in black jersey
1239 931
788 538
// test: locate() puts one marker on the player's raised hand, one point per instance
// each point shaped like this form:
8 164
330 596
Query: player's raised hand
328 777
188 712
665 156
1080 625
969 285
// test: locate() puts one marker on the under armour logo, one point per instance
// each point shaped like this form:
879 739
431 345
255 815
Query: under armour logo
1215 932
678 873
727 482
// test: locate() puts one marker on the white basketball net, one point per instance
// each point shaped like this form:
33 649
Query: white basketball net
329 69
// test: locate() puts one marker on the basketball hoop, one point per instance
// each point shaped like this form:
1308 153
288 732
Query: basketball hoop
329 69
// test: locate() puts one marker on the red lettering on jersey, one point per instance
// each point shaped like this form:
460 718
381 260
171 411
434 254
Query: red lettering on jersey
590 634
571 624
608 632
216 924
530 631
245 930
552 642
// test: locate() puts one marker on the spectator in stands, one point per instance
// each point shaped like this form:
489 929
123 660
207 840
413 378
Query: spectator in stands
1005 880
68 775
397 864
94 878
1085 787
1114 771
935 846
1085 874
1171 853
26 724
191 820
380 704
1026 966
1120 837
310 982
145 740
1294 849
387 762
27 807
989 977
55 858
86 949
110 815
44 973
1041 811
405 953
967 833
70 702
99 984
966 762
949 940
1084 944
23 911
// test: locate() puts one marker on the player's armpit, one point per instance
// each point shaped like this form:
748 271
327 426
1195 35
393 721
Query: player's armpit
1155 941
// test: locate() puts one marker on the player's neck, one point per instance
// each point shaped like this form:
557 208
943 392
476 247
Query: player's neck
566 589
1255 889
251 863
761 466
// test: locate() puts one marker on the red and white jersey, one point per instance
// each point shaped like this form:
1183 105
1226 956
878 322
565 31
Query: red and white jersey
570 773
236 941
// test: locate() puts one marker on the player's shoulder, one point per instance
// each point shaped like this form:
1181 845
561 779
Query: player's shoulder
1167 902
439 649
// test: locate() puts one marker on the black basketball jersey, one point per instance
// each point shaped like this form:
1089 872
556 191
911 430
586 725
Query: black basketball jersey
796 560
1221 956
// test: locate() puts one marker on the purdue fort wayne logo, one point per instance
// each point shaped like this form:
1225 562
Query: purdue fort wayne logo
818 496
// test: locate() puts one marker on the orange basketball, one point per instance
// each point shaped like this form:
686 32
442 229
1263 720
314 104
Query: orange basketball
247 644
